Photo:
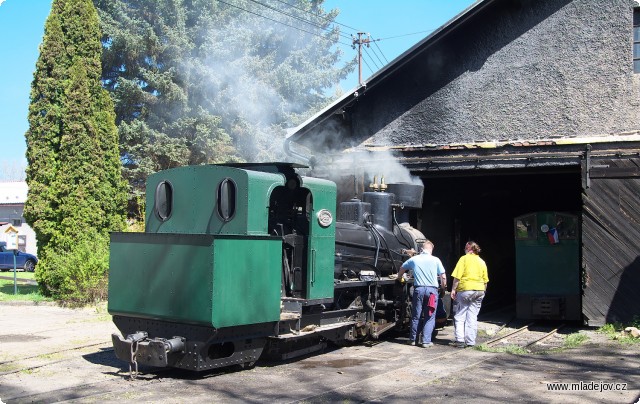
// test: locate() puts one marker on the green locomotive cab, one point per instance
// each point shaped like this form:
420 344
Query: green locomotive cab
548 266
239 261
202 287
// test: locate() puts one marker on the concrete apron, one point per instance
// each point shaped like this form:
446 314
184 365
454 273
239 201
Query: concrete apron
382 371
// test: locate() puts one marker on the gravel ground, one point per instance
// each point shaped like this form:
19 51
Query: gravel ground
51 354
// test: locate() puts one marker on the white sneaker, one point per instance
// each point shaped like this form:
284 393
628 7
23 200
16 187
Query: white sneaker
427 345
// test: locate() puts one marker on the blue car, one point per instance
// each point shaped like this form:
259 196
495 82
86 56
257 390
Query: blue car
24 261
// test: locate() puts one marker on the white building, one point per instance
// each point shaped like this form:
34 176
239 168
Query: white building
13 196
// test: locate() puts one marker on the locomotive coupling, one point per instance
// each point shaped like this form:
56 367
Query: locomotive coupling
137 348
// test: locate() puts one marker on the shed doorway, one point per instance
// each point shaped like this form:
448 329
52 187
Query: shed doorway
482 207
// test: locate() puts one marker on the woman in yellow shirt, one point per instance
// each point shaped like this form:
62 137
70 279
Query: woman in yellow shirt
470 280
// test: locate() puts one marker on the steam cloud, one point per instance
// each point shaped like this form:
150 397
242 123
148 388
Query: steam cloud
338 156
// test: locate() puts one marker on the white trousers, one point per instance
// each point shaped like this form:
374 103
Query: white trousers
465 320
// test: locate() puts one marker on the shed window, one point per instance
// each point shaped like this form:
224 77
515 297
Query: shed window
636 40
164 200
526 227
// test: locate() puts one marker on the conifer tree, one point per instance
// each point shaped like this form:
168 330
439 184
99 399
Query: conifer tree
76 191
202 81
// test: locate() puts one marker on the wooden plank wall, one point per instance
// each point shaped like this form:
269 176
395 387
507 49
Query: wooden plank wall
611 242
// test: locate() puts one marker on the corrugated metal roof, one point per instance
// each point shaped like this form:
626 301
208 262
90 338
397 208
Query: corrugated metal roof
12 193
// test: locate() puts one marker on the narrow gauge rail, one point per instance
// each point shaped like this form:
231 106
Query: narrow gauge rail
527 336
95 390
48 363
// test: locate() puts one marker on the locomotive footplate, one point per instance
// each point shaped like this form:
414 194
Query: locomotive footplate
305 341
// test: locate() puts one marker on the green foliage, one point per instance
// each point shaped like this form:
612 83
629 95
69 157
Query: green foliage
25 292
511 349
575 339
74 173
201 81
609 329
137 222
78 274
615 331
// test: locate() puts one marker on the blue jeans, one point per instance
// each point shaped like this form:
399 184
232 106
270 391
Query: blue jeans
419 304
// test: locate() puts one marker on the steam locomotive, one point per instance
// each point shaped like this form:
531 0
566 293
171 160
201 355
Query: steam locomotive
244 261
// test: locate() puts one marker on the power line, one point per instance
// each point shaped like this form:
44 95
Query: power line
370 69
316 25
279 22
377 57
372 60
312 23
329 29
400 36
385 58
319 16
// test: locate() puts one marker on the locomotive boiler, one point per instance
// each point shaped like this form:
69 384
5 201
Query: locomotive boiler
244 261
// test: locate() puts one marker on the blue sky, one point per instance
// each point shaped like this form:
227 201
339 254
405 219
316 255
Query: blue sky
399 25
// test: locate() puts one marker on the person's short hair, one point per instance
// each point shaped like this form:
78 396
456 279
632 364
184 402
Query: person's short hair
428 244
473 246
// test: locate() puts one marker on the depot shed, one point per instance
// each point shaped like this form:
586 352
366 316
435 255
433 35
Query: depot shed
512 107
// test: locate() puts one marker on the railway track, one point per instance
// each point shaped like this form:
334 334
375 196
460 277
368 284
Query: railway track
40 362
530 336
526 336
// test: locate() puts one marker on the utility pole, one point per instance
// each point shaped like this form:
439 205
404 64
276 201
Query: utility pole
360 41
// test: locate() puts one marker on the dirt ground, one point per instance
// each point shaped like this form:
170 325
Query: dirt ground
50 354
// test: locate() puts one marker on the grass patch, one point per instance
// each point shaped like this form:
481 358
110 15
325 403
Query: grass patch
19 275
615 331
25 292
51 356
573 340
485 334
511 349
101 312
8 367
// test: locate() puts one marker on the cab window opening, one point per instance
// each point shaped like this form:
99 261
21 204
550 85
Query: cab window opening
226 199
164 200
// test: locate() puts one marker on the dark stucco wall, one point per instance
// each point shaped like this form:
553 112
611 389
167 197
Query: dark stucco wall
518 69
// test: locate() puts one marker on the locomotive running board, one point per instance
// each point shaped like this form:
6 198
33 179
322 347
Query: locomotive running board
298 343
303 351
378 329
314 330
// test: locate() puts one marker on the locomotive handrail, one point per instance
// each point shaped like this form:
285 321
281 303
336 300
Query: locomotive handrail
375 236
393 264
395 221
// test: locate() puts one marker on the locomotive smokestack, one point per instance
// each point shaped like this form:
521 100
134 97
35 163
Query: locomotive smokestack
407 195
